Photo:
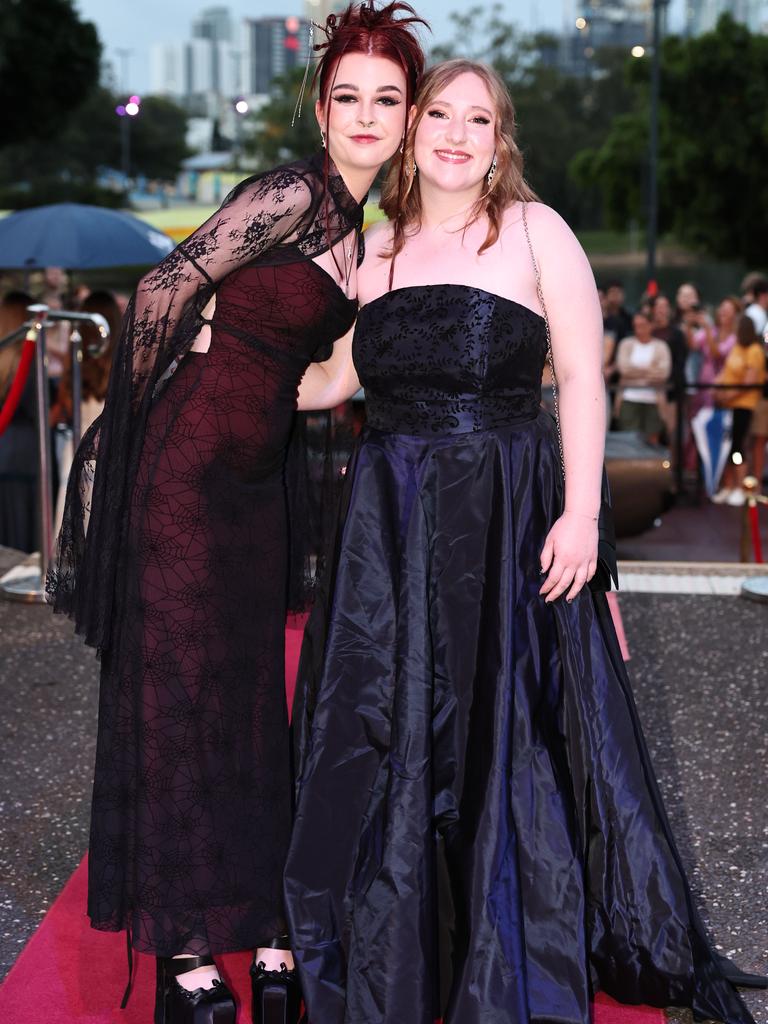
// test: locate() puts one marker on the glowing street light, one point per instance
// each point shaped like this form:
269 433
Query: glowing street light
581 24
241 106
131 108
638 51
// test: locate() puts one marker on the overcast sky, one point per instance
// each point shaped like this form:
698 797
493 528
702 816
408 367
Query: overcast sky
137 24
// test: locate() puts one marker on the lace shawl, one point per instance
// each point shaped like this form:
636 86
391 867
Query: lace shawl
286 215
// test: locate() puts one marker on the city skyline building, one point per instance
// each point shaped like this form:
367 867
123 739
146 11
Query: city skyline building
274 46
225 58
702 15
214 23
599 24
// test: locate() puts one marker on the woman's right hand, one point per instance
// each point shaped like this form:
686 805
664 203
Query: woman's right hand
569 555
326 385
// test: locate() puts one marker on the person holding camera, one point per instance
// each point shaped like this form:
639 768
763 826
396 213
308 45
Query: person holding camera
712 343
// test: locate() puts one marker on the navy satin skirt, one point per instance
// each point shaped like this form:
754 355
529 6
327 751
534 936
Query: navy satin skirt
478 834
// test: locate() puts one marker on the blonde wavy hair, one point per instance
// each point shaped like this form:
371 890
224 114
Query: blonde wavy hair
400 196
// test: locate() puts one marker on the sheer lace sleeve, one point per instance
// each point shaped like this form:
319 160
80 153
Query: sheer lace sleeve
167 307
161 322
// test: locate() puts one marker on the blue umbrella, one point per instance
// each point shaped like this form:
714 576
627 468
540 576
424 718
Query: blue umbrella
79 238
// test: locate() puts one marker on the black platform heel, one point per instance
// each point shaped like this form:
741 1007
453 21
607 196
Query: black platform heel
176 1005
276 994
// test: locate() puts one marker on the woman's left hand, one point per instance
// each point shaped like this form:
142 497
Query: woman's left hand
569 556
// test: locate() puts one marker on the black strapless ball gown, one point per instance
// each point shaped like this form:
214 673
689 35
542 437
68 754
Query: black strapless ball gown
460 724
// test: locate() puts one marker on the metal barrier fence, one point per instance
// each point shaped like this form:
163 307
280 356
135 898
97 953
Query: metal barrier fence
30 585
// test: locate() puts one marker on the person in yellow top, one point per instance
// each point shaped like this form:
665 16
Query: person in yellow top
745 365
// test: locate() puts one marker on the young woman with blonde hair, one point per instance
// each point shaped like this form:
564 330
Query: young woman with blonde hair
464 713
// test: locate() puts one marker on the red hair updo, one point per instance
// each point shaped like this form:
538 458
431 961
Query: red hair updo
376 31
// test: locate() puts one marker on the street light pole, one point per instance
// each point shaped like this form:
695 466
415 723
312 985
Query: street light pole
241 108
127 111
653 148
125 147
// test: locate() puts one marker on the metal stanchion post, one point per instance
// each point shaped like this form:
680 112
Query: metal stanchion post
756 587
76 351
44 442
29 583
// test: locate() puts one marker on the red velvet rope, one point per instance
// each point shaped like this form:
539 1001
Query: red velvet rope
754 526
16 389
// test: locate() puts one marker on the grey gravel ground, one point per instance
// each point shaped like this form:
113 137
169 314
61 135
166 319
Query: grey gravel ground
699 667
48 694
700 671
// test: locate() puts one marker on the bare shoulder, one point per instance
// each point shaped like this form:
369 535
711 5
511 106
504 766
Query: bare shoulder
548 225
553 241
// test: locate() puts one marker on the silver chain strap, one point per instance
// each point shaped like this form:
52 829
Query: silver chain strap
550 359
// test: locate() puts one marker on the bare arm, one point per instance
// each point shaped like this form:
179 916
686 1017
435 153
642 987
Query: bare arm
326 385
570 295
576 327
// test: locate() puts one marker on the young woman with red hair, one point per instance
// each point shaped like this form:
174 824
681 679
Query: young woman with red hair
174 551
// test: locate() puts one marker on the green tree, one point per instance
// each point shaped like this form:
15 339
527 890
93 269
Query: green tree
66 165
713 144
158 138
268 133
49 62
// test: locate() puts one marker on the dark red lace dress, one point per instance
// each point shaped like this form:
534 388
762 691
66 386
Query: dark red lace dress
181 578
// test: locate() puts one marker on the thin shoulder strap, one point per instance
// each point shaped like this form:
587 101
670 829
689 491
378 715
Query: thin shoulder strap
550 358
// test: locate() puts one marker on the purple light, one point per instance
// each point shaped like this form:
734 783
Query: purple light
120 110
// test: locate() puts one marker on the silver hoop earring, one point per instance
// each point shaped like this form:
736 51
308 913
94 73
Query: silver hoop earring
322 137
402 144
492 171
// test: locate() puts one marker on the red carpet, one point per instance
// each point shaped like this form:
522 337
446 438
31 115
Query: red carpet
70 974
613 604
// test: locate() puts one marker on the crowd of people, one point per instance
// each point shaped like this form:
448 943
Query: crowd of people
668 361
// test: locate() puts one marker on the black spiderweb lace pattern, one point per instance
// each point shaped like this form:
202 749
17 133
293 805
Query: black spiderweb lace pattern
174 558
282 217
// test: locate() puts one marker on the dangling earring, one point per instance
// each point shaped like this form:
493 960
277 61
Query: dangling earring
402 144
492 171
411 171
322 137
